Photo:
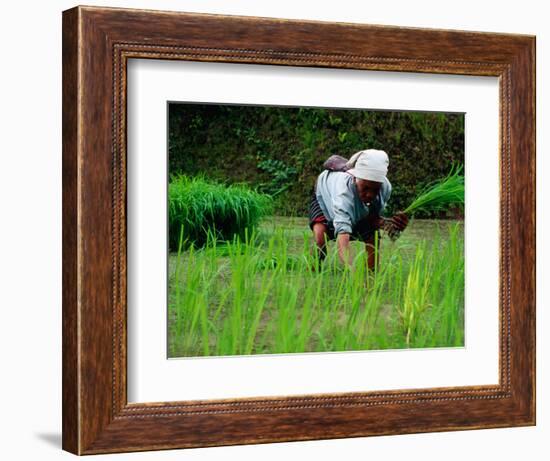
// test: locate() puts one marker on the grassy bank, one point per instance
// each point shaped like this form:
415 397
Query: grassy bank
260 296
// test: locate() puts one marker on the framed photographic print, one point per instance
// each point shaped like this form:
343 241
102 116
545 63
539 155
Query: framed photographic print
281 230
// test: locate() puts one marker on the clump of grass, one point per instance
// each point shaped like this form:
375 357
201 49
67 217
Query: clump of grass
441 194
204 207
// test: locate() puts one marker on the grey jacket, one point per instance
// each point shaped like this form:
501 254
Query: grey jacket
339 200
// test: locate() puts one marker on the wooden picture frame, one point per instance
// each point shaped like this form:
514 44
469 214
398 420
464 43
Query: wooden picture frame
97 43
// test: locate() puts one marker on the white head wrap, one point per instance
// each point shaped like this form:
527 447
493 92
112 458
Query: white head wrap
370 164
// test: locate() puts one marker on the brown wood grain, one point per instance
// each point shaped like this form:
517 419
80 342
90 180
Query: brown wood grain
97 43
70 365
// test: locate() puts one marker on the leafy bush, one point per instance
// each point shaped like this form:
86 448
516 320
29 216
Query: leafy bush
204 207
282 176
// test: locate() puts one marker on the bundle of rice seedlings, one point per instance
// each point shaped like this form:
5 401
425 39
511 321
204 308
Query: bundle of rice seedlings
437 196
441 194
203 206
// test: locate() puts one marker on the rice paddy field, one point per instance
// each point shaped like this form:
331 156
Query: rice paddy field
260 295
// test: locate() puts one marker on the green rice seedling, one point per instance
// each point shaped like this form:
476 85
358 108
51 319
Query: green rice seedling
205 206
441 194
448 313
311 301
437 196
436 293
175 281
266 284
226 300
415 299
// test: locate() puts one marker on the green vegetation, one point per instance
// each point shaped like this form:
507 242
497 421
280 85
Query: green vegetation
280 150
241 281
258 295
204 207
440 195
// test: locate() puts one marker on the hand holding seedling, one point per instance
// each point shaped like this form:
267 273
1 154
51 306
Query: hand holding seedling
439 195
396 224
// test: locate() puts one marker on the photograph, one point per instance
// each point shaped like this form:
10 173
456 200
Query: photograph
313 229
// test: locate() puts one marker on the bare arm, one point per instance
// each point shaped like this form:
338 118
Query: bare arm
344 249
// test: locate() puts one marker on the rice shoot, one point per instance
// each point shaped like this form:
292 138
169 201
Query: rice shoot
441 194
